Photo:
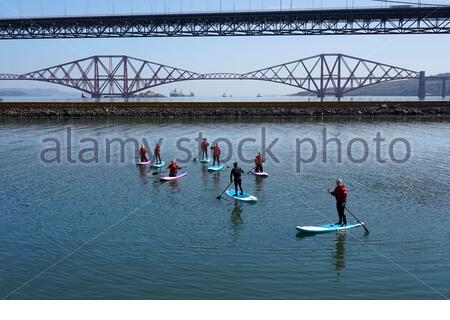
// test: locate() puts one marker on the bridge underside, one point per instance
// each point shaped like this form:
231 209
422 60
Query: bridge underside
413 20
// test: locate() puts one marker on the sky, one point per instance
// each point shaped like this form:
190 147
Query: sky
216 54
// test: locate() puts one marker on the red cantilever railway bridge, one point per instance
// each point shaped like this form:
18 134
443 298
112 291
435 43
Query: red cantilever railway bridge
323 74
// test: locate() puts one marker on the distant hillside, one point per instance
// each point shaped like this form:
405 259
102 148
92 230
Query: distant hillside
396 88
19 92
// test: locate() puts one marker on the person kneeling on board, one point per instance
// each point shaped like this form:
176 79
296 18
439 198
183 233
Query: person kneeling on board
173 168
143 152
259 160
216 154
157 152
341 194
236 176
205 145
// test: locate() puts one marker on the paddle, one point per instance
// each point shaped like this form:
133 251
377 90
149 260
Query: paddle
195 159
220 195
251 170
158 172
367 230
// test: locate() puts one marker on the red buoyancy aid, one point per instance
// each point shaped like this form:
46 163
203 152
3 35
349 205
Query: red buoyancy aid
205 145
341 193
173 168
217 151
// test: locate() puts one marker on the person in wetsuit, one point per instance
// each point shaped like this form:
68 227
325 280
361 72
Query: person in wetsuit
259 160
205 145
157 154
341 194
216 154
173 168
236 176
143 152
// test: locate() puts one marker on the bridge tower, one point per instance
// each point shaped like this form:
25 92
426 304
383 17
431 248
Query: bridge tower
422 85
443 87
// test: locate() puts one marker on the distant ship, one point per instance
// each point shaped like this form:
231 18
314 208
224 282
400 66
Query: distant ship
259 95
180 93
83 96
224 95
149 94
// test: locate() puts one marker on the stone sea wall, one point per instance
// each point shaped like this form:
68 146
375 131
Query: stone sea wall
240 110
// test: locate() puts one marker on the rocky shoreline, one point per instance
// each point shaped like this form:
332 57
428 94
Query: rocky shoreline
225 110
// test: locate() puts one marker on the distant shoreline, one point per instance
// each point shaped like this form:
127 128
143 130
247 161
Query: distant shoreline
223 110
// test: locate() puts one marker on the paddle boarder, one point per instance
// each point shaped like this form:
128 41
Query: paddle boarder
236 176
144 153
205 145
157 152
259 160
216 154
341 194
173 168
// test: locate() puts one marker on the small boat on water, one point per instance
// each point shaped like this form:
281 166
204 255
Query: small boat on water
224 95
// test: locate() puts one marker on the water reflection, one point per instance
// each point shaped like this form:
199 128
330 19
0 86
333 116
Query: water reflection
143 172
339 257
236 217
216 178
174 186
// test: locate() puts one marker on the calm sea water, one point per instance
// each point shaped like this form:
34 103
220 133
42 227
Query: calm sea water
112 231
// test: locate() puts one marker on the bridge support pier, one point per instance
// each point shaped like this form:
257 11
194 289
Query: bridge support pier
443 87
422 85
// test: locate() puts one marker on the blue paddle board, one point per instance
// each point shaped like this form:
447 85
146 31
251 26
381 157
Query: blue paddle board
327 227
242 197
215 168
158 165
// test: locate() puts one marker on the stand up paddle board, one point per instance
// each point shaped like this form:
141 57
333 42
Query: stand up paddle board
327 228
178 176
144 163
242 197
158 165
205 160
215 168
259 174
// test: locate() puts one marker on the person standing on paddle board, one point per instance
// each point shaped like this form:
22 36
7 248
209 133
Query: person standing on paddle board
205 145
144 153
216 154
157 152
173 168
341 194
259 160
236 176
